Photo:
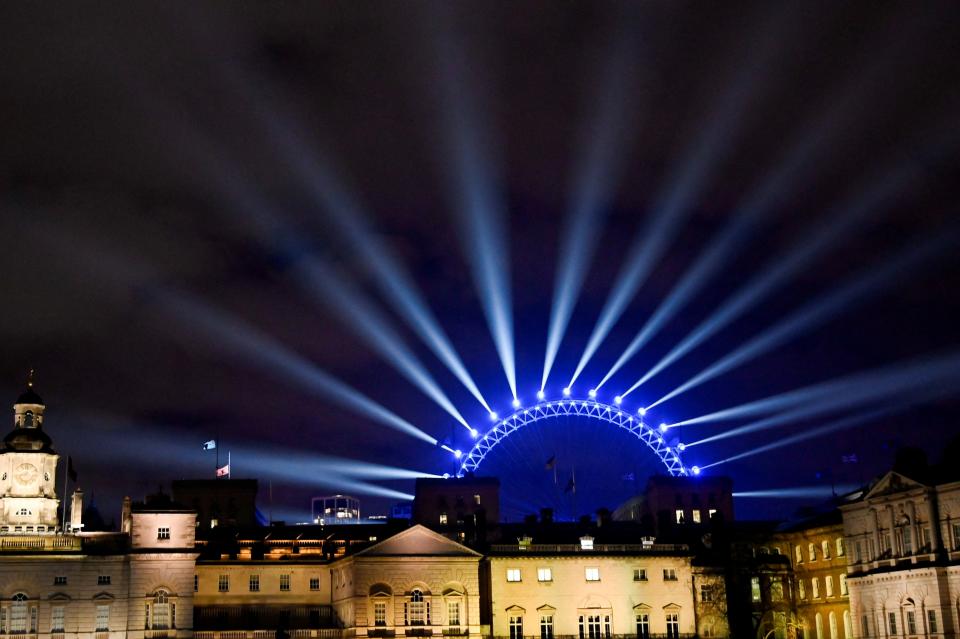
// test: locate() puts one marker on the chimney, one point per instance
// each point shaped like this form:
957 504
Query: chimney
125 516
603 517
76 510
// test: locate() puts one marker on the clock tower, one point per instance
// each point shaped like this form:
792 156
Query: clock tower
28 465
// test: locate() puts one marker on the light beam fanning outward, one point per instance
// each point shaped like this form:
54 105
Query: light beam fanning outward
825 429
807 492
361 316
226 332
870 280
598 170
687 178
834 225
478 206
923 378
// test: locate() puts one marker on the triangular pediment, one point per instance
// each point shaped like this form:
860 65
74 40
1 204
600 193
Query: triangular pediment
417 541
892 482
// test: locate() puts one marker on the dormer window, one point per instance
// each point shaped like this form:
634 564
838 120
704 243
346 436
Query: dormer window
28 419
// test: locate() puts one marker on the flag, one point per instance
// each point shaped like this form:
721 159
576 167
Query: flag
223 471
849 459
210 445
551 463
571 487
71 471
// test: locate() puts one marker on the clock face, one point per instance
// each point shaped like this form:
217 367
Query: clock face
25 473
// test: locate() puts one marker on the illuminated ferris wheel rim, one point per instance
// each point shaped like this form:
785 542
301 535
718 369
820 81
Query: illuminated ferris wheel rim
652 437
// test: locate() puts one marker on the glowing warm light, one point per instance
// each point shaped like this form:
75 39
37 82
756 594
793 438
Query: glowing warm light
566 392
541 395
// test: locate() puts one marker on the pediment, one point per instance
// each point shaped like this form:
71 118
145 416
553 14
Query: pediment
59 596
672 606
891 483
515 609
642 606
417 541
103 596
546 608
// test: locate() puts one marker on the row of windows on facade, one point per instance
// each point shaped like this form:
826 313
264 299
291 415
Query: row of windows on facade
61 580
597 626
909 620
824 550
589 574
828 586
695 515
20 616
253 583
817 629
900 543
416 611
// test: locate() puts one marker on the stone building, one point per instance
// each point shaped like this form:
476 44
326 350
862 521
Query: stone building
817 551
902 539
75 585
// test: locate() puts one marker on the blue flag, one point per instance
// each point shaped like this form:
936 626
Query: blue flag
210 445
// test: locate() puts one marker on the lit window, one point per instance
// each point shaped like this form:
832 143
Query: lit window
839 542
586 542
843 585
755 589
103 618
776 590
103 580
284 583
56 619
801 589
815 582
639 574
679 515
163 533
711 512
643 625
443 519
797 554
828 582
516 627
669 574
673 624
544 574
314 583
696 516
812 552
592 574
161 612
417 610
825 546
254 583
476 499
546 626
223 584
380 613
513 574
453 613
706 593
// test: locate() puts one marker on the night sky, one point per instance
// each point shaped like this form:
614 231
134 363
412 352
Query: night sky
158 161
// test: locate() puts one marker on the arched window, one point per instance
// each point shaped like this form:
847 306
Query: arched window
28 419
417 614
161 612
847 625
818 622
834 631
22 615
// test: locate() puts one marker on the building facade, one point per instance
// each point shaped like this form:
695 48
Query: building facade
903 555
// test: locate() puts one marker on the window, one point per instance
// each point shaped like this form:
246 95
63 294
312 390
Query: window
858 552
818 622
513 574
755 589
379 613
516 627
453 613
643 625
911 622
892 623
590 626
476 499
443 519
163 533
59 581
812 552
284 583
223 584
254 583
797 554
161 612
416 608
712 512
800 589
196 583
544 574
833 626
18 614
843 585
907 536
56 619
839 544
825 547
776 590
847 625
679 515
673 625
956 535
865 625
591 574
669 574
828 582
103 618
314 583
932 626
706 593
546 626
639 574
103 580
695 515
815 583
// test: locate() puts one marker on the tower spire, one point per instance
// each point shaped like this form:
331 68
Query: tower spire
30 379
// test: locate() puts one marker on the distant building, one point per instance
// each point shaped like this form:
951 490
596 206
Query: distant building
669 502
219 502
461 508
335 509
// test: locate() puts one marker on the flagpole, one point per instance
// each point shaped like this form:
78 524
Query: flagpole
229 470
66 480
